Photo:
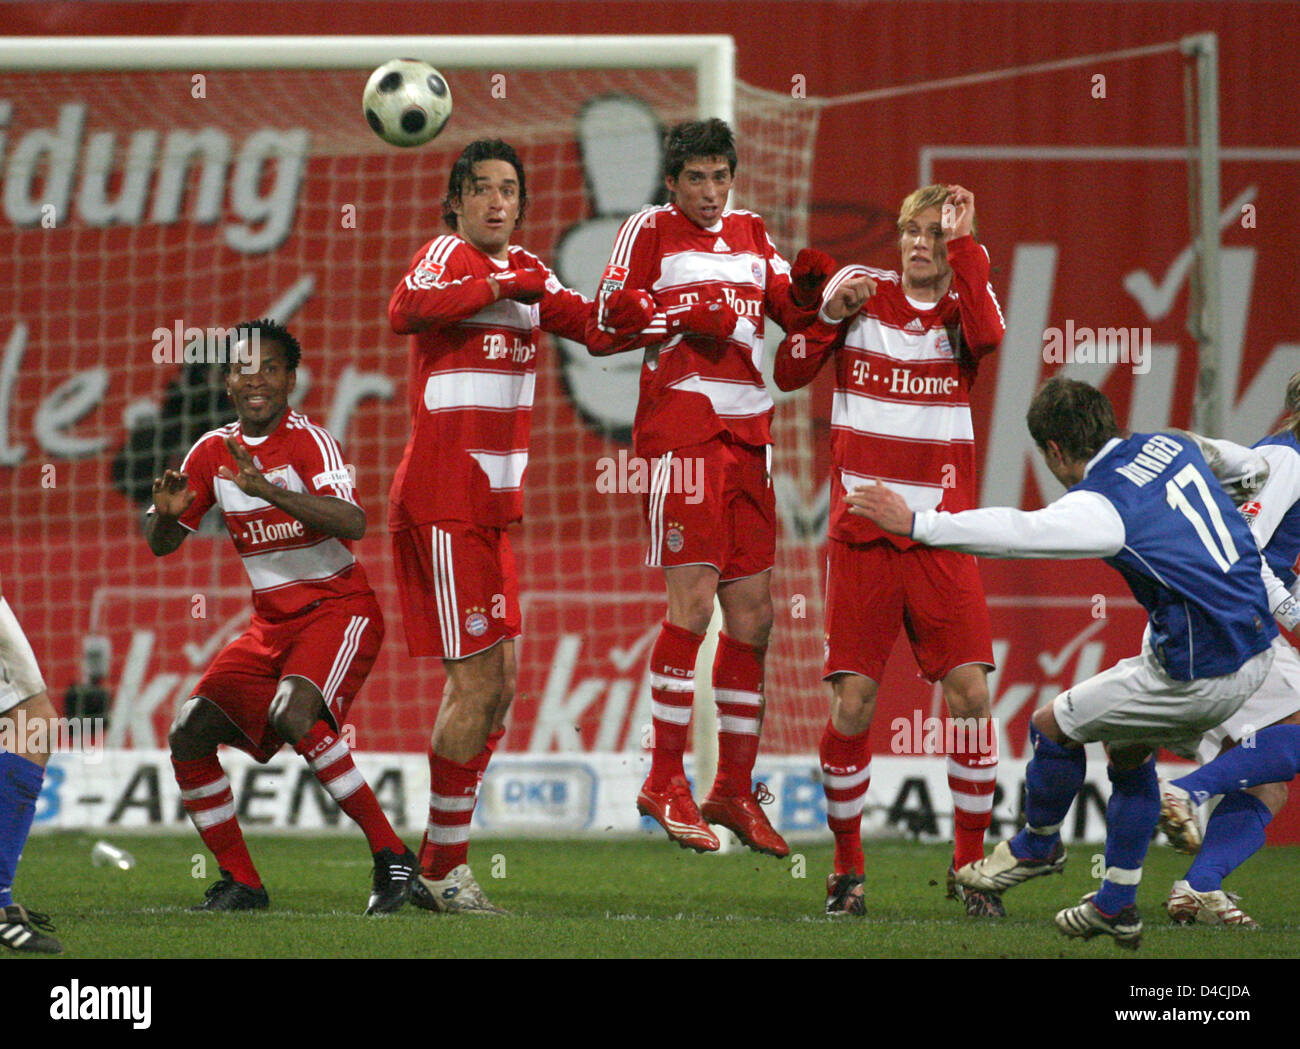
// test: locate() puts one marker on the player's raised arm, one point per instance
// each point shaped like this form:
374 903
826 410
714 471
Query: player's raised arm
328 514
808 346
982 323
172 497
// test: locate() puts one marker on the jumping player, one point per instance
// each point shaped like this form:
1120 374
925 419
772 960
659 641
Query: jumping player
26 721
1150 506
711 274
906 348
289 506
475 306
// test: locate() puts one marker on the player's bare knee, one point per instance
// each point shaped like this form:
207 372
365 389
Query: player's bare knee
186 738
295 708
854 703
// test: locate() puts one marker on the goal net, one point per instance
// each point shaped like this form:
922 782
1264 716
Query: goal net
144 205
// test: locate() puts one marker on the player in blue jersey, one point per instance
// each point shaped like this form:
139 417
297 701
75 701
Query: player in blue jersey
1236 827
1150 506
27 728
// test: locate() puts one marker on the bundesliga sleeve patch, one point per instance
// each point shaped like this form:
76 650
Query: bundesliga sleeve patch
426 274
612 279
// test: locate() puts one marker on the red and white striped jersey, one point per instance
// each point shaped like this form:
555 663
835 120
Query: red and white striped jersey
473 364
903 374
289 565
693 387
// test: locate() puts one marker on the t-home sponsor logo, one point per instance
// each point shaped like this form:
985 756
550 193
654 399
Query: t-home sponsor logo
1071 345
75 1002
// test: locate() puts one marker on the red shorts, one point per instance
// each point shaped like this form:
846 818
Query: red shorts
459 589
712 504
333 646
874 588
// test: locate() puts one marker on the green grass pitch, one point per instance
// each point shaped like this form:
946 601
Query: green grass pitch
620 898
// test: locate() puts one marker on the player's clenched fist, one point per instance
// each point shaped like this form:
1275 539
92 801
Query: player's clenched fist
848 297
521 285
958 214
808 276
628 310
717 320
172 494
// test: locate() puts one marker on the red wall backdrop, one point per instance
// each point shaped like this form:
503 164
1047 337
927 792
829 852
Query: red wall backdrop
1086 240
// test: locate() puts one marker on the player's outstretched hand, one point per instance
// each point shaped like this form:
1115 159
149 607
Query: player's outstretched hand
882 505
958 214
172 494
808 276
628 310
521 285
249 478
716 319
848 297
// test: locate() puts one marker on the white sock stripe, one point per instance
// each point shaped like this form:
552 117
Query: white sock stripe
1123 876
665 683
338 749
972 802
737 696
344 786
207 790
672 715
835 782
841 810
441 835
738 726
206 818
343 660
452 802
986 774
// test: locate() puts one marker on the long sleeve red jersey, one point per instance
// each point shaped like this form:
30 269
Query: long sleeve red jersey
472 374
903 374
694 387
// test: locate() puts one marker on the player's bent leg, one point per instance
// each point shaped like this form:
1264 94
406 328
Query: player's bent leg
475 689
298 715
207 797
1052 779
735 802
1131 816
845 753
27 728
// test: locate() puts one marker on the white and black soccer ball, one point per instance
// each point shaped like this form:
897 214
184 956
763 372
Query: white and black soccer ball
407 102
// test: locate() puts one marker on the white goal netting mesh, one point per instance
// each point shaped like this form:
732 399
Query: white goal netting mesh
137 205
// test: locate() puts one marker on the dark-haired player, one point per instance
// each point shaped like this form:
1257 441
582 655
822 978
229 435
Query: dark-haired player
1152 508
906 346
712 275
475 306
288 502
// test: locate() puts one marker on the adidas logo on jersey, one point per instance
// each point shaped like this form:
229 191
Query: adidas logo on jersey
721 245
915 325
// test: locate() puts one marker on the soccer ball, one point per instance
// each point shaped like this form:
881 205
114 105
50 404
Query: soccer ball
406 102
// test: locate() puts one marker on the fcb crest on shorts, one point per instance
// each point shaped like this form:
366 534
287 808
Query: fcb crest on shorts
476 622
675 537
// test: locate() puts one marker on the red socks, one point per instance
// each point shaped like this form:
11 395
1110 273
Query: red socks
738 694
329 758
207 797
672 692
846 774
972 777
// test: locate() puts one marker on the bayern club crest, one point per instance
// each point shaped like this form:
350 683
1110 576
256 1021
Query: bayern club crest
675 540
476 624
